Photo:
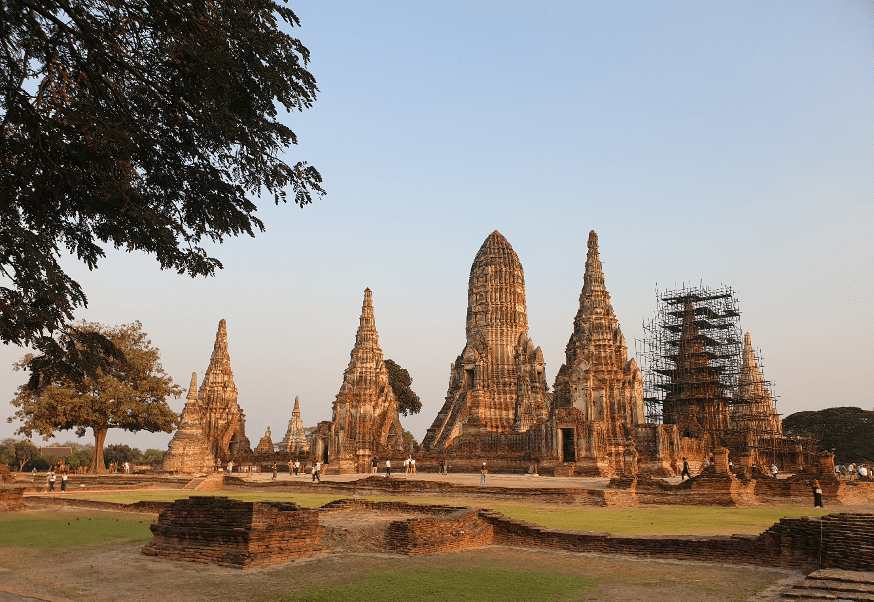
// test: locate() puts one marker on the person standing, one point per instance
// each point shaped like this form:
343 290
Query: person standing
685 474
274 471
374 465
412 466
484 474
52 482
230 466
388 468
817 494
64 482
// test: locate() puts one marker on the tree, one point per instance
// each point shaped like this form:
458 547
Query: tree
121 453
400 381
142 124
127 392
152 453
410 440
18 453
847 432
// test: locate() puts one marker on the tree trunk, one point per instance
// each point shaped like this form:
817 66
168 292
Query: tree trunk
97 464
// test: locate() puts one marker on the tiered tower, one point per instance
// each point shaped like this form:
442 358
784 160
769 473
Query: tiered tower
295 438
223 421
598 378
753 412
497 384
189 451
365 418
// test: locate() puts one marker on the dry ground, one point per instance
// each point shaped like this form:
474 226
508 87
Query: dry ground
119 572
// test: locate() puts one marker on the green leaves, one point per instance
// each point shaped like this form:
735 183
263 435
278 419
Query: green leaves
400 381
139 124
96 377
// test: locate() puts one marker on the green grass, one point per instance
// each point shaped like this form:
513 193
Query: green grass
655 520
638 520
54 529
482 585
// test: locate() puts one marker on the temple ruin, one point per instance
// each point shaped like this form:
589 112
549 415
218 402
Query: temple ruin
498 384
701 395
365 422
703 377
295 439
215 413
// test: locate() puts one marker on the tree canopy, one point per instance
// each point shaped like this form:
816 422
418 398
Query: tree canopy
400 381
18 453
847 432
141 124
126 392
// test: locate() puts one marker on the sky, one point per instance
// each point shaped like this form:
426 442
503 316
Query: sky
723 143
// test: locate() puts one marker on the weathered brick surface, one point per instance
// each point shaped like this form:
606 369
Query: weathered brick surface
12 498
449 529
844 541
218 530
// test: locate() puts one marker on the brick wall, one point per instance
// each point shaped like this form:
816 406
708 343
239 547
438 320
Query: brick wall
844 541
450 529
218 530
12 499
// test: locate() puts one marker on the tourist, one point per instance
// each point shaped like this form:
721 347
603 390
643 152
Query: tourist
230 466
817 494
484 474
863 471
407 466
52 482
315 473
774 470
413 465
442 465
374 465
64 482
274 472
685 474
388 468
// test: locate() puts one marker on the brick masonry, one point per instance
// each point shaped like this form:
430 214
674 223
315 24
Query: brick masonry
843 541
231 533
12 499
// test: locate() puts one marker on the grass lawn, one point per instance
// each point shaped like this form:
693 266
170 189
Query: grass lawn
482 585
638 520
53 529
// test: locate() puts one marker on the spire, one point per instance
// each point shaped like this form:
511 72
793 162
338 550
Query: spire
367 338
219 371
192 388
496 293
296 411
594 278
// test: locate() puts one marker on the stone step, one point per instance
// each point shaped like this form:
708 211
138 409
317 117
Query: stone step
193 483
836 585
824 594
845 576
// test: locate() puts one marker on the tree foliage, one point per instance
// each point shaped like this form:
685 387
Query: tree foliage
127 392
400 381
140 124
20 454
847 432
119 454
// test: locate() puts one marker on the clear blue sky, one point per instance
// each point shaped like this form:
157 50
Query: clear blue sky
715 142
